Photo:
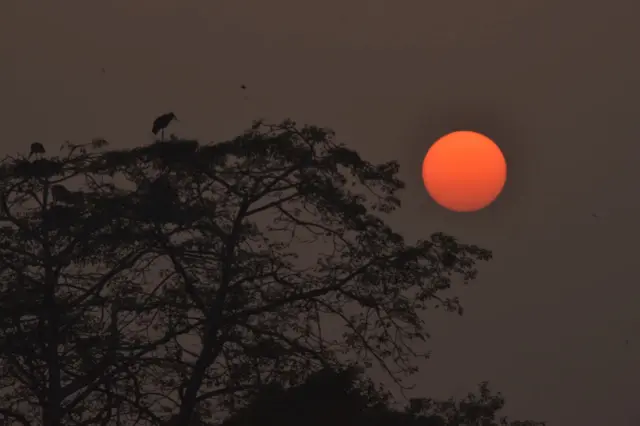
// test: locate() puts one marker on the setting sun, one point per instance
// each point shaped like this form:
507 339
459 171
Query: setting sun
464 171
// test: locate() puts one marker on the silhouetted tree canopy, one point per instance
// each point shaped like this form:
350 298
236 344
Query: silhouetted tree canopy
343 397
154 283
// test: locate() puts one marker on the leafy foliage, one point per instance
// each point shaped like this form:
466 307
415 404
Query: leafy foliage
344 397
171 277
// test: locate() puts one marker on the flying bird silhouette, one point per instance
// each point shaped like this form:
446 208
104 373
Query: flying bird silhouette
161 123
36 148
243 87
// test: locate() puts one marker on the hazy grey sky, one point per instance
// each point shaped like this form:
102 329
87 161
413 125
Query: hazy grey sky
555 83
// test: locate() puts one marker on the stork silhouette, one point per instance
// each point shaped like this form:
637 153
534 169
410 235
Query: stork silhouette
36 148
161 123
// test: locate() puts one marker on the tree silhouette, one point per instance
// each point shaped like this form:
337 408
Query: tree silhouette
170 277
344 397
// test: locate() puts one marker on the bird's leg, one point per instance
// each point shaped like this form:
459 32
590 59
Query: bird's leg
162 135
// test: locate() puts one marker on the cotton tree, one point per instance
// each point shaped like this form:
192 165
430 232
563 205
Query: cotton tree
158 282
70 280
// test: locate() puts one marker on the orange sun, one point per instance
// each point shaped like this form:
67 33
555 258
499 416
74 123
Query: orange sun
464 171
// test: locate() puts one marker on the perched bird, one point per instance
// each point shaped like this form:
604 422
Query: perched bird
243 87
161 123
36 148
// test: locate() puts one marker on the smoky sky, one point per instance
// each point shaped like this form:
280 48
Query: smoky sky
555 84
